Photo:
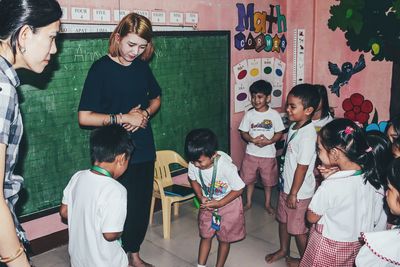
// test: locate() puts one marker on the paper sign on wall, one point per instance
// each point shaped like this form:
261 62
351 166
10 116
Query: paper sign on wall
242 98
240 71
248 71
267 65
254 67
279 71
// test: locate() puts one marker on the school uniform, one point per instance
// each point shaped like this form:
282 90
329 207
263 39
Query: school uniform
381 249
232 215
300 150
96 205
346 205
262 159
318 124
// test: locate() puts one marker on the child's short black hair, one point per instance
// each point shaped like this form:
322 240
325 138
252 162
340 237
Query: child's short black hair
200 142
262 87
108 142
308 95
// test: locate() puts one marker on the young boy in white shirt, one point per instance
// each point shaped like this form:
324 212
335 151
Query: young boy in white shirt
298 176
94 203
216 182
261 128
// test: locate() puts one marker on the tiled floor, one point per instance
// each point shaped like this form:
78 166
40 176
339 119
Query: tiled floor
181 249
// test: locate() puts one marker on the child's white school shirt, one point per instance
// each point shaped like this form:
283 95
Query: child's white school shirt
381 249
227 177
346 205
257 123
300 150
96 205
318 124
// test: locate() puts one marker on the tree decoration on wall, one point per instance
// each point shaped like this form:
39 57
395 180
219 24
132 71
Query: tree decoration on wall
372 26
357 108
344 73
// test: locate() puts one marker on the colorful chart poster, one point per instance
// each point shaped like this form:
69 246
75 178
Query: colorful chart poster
248 71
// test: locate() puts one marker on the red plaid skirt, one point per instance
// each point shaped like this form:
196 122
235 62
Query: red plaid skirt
322 252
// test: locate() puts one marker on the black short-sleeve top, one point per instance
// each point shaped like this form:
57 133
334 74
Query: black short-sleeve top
111 88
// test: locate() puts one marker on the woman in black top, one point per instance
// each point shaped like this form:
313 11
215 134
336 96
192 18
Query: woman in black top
121 89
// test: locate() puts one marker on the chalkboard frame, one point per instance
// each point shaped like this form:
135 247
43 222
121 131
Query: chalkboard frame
72 36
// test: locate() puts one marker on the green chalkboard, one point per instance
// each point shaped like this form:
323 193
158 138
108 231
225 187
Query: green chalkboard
192 69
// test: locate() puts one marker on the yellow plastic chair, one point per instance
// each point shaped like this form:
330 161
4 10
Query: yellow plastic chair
162 179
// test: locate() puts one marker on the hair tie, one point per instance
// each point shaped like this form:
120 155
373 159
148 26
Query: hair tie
369 149
348 130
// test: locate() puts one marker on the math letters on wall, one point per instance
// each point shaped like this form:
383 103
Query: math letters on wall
250 70
255 29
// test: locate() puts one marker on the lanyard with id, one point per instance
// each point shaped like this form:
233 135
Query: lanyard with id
216 219
282 157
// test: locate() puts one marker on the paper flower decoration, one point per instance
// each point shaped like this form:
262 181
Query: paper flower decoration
357 108
377 126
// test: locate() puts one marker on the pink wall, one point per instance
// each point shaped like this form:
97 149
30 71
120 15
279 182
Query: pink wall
322 45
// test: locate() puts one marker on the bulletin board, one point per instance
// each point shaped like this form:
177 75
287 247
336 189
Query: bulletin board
192 69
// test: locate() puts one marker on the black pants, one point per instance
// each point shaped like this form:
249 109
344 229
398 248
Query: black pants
138 181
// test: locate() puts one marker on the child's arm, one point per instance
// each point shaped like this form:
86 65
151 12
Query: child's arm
64 211
299 175
312 217
112 236
197 190
215 204
265 141
246 136
256 140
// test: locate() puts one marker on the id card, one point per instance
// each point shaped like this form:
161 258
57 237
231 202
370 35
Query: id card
216 221
281 181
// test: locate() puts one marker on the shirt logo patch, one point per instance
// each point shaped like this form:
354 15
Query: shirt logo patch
265 125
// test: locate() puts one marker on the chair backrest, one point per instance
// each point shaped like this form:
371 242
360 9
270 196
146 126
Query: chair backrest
162 171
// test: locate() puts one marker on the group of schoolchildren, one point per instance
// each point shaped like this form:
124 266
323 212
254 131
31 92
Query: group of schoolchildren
333 179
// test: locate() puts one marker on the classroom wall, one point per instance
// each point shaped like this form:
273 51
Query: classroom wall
322 45
213 15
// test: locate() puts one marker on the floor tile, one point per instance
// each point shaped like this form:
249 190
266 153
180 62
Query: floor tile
181 250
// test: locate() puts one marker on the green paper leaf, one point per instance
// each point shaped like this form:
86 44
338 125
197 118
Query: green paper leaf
375 118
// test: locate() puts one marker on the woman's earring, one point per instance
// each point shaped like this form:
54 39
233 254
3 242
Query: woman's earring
22 49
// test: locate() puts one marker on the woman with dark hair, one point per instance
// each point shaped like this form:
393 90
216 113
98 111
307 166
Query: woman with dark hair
28 29
120 88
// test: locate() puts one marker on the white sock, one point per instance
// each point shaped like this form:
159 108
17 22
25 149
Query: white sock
198 265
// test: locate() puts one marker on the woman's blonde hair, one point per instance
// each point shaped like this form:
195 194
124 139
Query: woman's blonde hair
137 24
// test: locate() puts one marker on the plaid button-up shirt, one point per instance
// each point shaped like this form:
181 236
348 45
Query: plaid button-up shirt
10 134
